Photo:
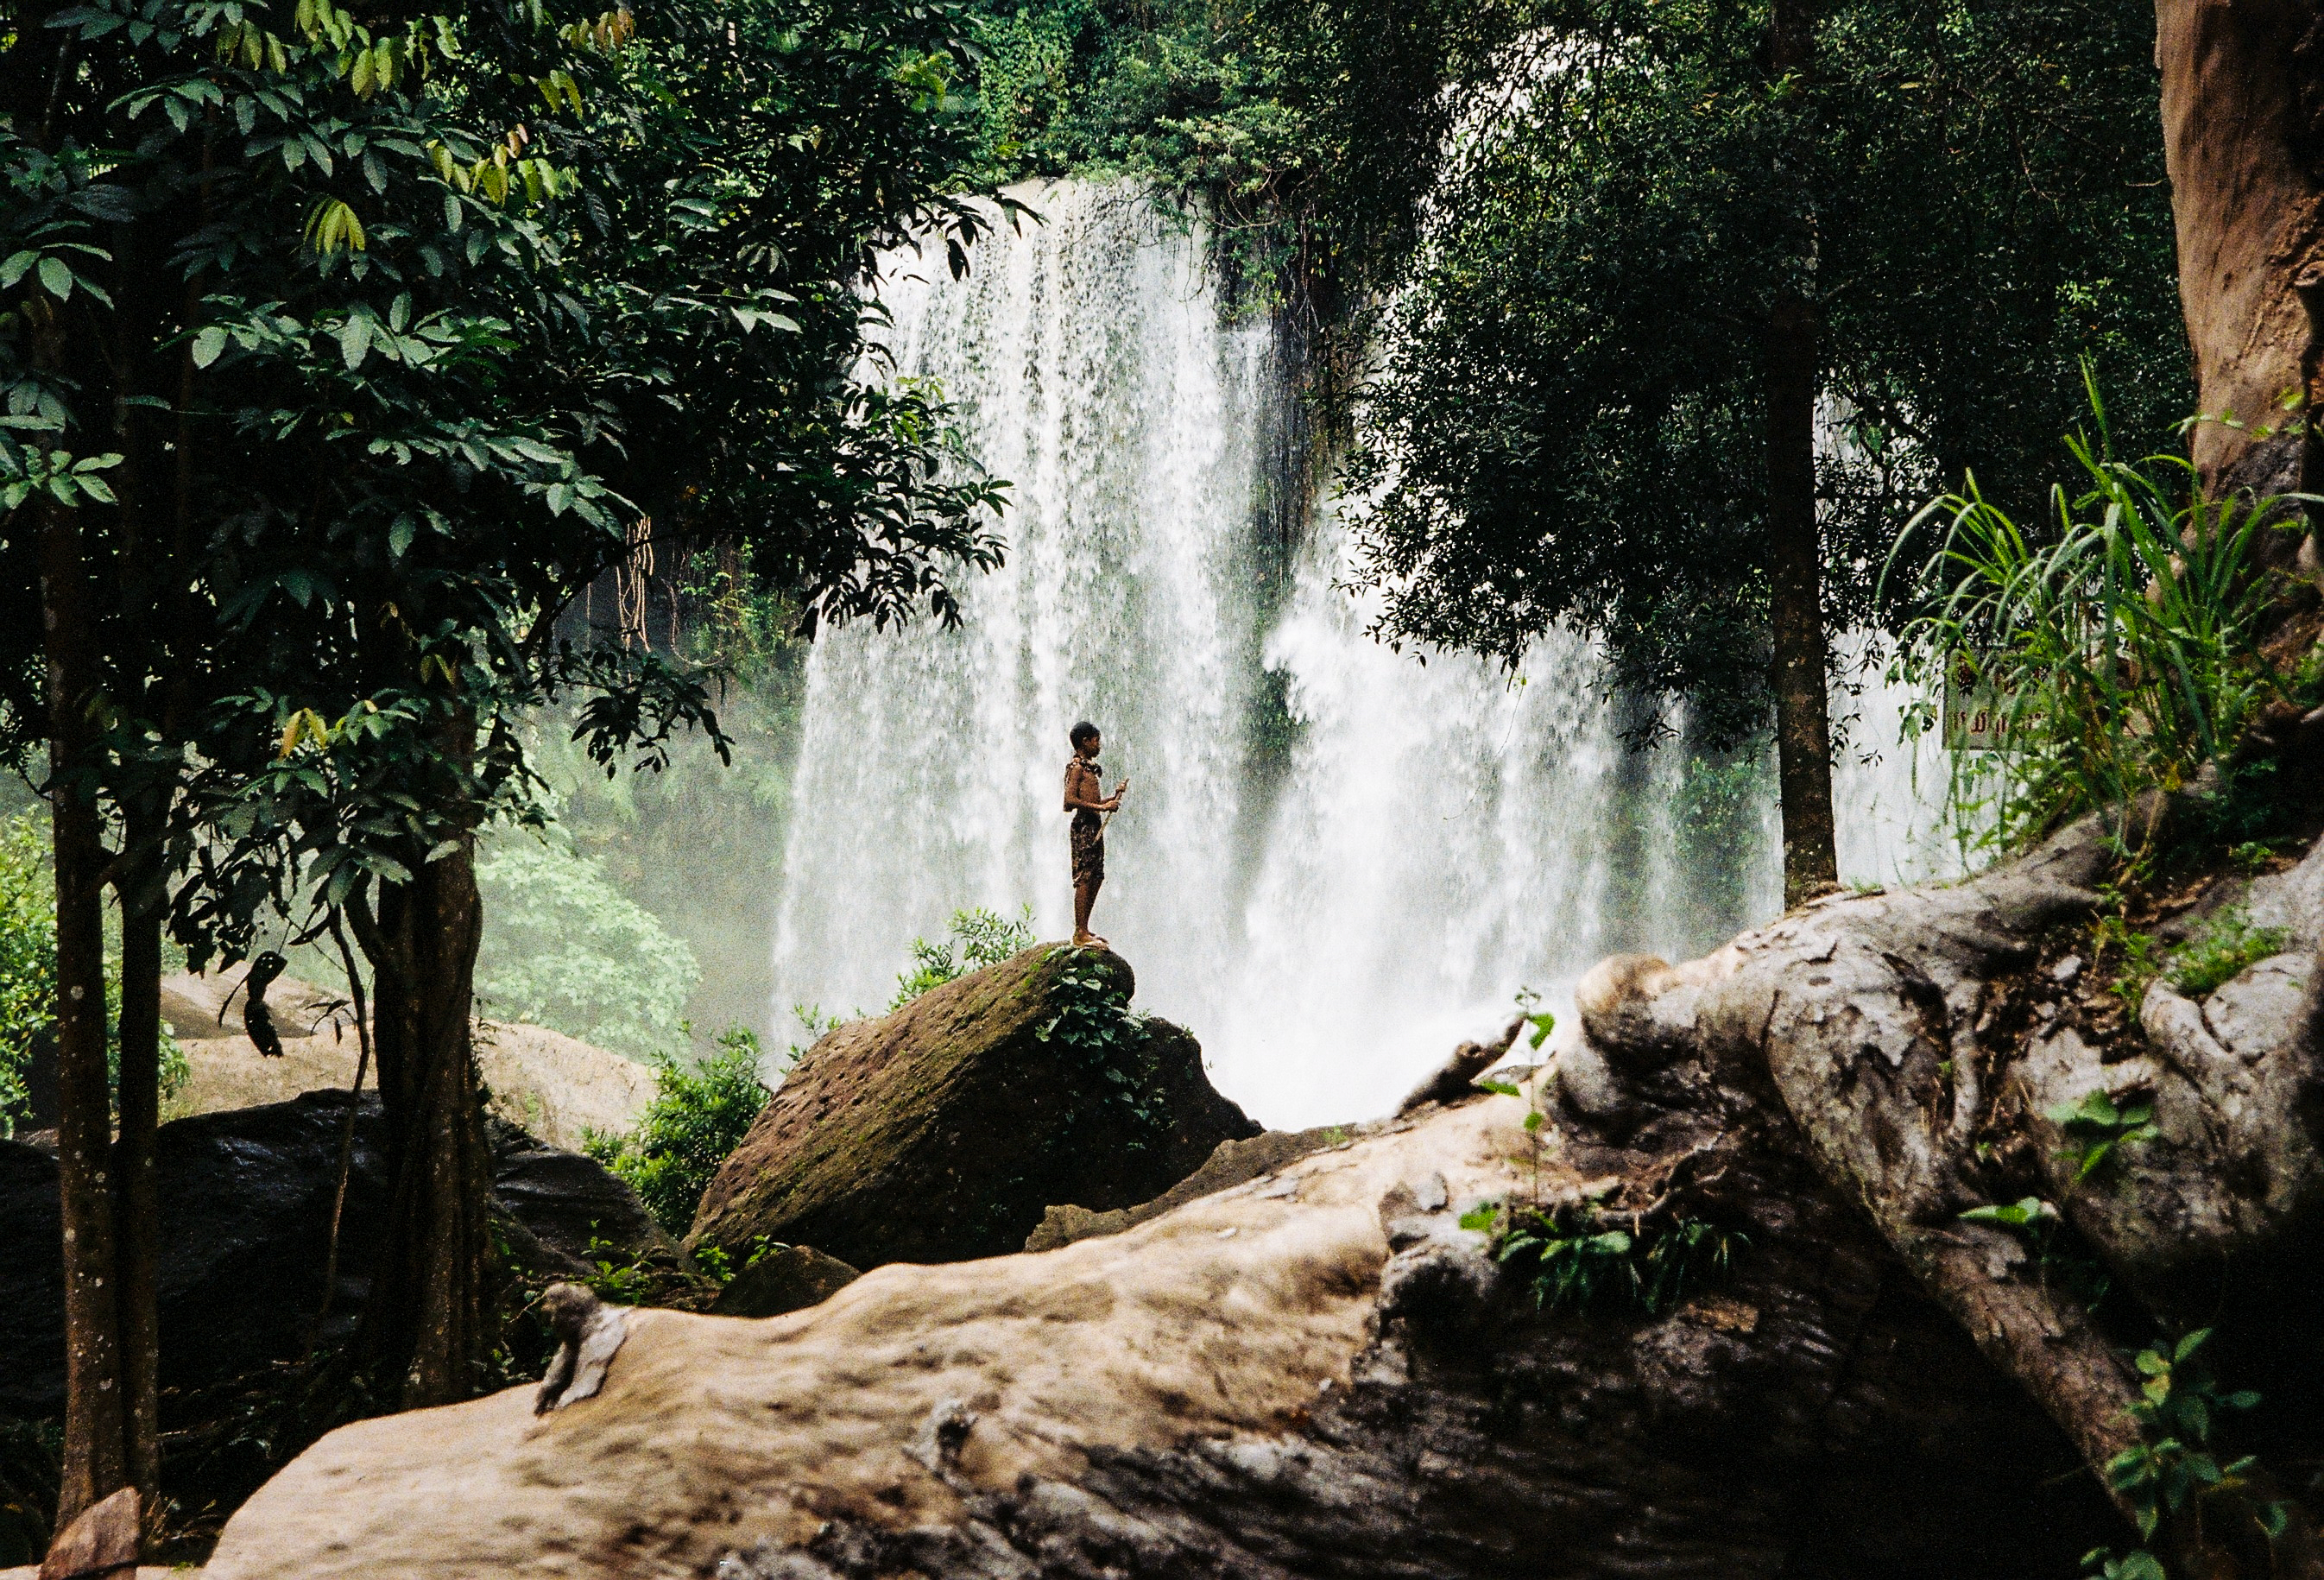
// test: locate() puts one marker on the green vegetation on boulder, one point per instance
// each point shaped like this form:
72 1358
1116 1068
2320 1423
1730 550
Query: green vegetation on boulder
941 1132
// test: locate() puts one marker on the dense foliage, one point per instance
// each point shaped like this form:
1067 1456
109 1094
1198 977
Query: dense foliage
1570 420
28 958
27 970
700 1113
567 948
1309 132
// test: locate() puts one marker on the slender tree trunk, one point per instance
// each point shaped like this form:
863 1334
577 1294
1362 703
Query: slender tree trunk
426 1322
96 1443
142 561
136 1183
1795 553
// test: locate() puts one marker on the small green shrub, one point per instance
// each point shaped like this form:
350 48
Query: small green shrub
2140 953
979 939
1091 1017
2122 642
699 1115
2096 1126
1577 1259
2173 1469
2228 944
2220 953
2057 1265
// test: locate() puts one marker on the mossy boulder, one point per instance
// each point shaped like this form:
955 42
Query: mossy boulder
943 1132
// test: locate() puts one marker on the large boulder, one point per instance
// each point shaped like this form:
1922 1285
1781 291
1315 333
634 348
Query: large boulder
247 1199
943 1132
552 1085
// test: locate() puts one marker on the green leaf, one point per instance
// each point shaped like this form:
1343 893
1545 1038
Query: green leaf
2014 1215
16 268
1544 1023
1481 1218
2191 1344
96 489
209 346
1499 1088
354 339
57 277
400 536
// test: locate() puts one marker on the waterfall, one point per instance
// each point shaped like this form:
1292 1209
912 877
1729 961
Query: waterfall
1336 862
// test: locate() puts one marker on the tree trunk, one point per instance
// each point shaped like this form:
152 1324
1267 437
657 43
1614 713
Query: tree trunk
142 565
425 1324
1795 595
96 1443
2242 130
1795 550
136 1188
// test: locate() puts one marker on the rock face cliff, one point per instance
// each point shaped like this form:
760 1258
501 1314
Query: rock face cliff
2242 114
942 1131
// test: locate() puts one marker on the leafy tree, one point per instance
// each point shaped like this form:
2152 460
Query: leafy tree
568 949
340 355
1310 132
1674 237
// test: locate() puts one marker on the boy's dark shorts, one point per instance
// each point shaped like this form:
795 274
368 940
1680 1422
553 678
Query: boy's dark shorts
1089 852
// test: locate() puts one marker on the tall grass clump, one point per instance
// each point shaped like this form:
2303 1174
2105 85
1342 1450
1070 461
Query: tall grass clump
2119 639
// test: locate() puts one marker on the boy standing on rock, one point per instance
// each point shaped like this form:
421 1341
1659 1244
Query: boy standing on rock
1086 800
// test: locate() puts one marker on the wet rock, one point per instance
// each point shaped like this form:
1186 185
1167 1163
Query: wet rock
942 1131
32 1283
571 1203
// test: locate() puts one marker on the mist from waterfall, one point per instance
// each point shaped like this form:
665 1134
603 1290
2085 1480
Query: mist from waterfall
1336 862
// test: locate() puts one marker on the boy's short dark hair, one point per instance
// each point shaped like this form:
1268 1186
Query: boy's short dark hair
1083 730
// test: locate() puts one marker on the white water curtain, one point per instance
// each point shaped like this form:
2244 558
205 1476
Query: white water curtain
1328 927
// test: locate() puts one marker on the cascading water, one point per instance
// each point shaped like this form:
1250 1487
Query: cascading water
1335 862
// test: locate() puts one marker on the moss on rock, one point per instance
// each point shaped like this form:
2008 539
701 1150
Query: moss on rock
941 1132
